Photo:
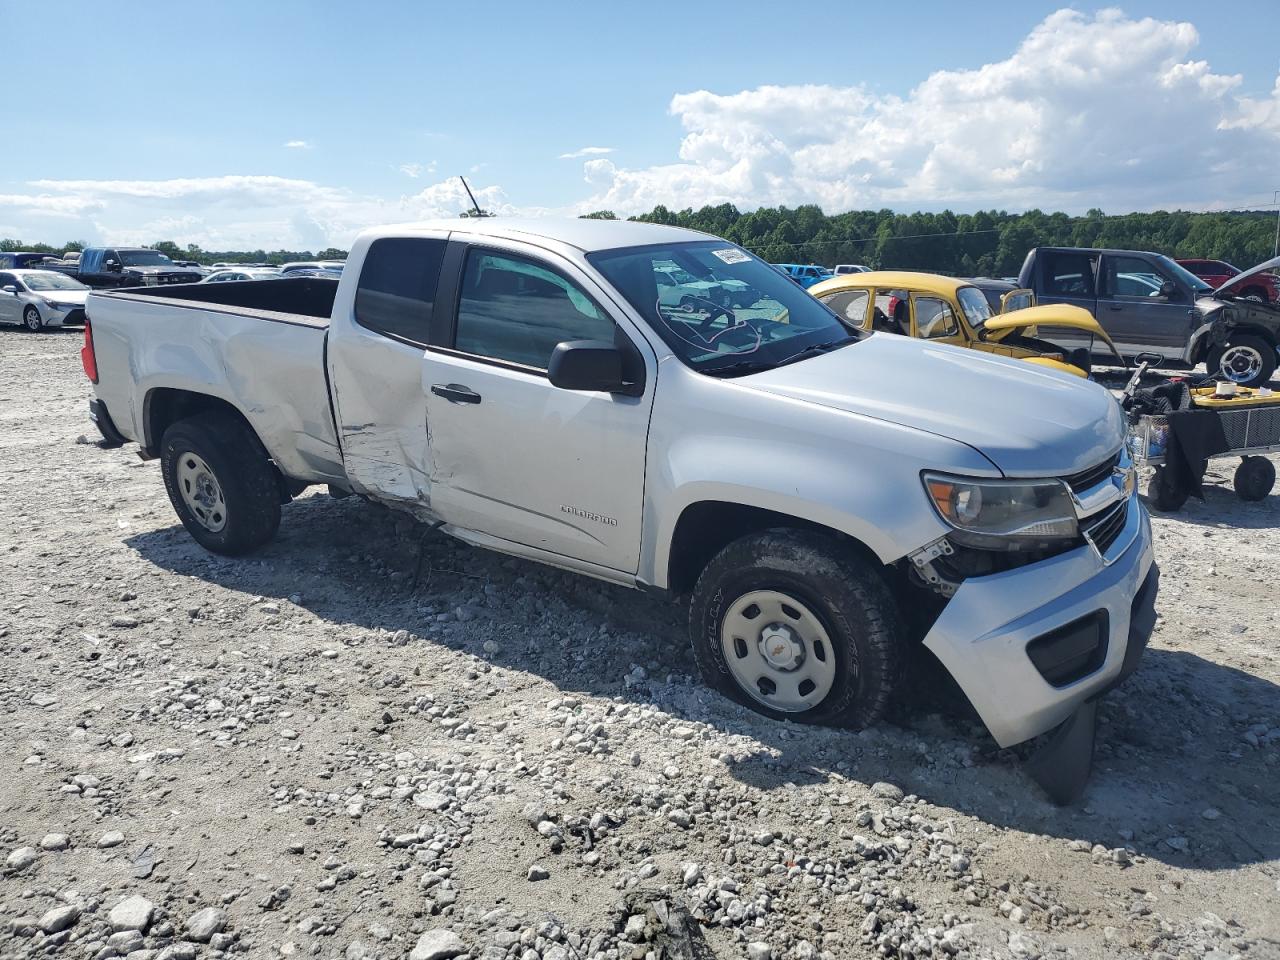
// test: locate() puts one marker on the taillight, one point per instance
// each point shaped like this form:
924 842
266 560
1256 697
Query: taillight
87 356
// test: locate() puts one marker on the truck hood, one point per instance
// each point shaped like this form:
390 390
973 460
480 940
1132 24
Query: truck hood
1239 278
1026 420
153 270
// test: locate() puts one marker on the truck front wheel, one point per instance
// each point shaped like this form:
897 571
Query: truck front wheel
1244 358
792 626
220 482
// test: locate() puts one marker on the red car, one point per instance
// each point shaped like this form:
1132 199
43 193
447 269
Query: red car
1262 287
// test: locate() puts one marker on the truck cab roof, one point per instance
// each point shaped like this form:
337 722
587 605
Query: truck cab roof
586 235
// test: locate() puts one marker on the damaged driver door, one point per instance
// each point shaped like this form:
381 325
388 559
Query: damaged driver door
513 456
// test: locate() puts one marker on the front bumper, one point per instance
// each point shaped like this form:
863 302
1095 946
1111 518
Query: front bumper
983 633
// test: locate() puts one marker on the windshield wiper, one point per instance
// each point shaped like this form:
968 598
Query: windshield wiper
740 367
816 348
755 366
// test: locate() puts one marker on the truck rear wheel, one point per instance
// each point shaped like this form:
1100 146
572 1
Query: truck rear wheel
220 482
791 625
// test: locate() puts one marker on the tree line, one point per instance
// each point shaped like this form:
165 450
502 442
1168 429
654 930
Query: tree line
989 243
986 243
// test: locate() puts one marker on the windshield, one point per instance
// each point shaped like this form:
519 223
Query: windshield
721 310
974 304
1182 273
144 258
52 281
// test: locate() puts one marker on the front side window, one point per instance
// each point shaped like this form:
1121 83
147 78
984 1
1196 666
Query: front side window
1131 277
518 310
977 308
742 316
934 318
1018 300
397 289
9 280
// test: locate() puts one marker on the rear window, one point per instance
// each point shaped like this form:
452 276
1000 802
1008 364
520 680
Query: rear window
397 287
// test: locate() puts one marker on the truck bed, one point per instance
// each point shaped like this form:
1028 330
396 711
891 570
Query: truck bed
304 300
260 346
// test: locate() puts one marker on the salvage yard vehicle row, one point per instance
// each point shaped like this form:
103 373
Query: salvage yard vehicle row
816 490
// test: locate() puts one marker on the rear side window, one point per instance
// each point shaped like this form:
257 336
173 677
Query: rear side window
397 288
1069 274
850 304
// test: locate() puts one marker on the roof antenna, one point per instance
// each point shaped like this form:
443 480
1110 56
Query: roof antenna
475 210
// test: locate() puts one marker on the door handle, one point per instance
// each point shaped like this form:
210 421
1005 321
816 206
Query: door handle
1114 306
455 392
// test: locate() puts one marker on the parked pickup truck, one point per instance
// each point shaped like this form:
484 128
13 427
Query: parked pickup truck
1150 304
106 267
826 496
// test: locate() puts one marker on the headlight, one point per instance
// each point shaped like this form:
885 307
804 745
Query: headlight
51 304
1003 514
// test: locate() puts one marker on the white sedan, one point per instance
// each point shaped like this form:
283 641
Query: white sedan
41 298
243 273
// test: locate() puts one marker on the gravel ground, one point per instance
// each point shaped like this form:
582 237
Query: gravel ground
367 742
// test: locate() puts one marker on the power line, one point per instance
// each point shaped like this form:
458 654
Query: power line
1107 218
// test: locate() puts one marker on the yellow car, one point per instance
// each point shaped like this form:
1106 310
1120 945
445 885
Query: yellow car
947 310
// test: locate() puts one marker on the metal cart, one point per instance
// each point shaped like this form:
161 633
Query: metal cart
1251 431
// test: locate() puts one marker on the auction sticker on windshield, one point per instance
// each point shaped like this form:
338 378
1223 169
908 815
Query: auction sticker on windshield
731 255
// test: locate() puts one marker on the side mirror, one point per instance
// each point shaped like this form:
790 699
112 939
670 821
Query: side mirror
10 288
113 266
1169 290
588 365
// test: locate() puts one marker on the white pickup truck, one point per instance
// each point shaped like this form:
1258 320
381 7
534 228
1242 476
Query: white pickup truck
829 498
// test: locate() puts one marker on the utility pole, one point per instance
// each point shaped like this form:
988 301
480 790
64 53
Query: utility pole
1275 199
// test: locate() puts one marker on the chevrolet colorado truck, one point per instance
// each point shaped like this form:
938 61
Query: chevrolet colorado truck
828 498
1148 303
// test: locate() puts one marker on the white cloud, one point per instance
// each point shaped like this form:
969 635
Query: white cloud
1089 111
415 170
298 145
230 212
586 152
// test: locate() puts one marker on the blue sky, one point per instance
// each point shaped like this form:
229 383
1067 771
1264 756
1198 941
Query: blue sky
178 118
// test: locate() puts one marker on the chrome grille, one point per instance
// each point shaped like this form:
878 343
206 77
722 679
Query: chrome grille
1088 479
1104 530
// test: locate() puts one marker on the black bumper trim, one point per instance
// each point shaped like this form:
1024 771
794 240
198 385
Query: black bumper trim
99 415
1061 766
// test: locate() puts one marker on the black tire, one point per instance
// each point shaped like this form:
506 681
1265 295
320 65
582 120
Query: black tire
1255 478
239 465
1245 341
844 592
1164 493
32 320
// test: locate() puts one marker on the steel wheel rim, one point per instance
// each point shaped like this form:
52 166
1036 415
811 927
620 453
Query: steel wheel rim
33 319
778 651
201 492
1240 363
